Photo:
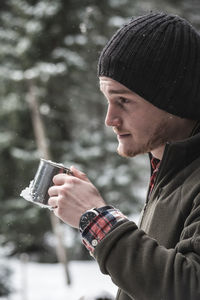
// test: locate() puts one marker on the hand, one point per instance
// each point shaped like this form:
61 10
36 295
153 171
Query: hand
71 196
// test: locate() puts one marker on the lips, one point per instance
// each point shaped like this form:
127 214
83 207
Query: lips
121 135
124 135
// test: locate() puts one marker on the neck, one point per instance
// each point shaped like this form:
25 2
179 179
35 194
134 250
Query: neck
158 152
180 132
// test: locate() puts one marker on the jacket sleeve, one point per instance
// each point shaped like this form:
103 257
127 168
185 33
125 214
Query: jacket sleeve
144 270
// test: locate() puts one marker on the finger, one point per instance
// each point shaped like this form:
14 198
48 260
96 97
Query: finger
53 191
60 179
79 174
53 201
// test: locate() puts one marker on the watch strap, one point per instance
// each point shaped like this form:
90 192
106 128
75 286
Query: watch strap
103 208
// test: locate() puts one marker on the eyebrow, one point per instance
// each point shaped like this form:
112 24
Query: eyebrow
112 91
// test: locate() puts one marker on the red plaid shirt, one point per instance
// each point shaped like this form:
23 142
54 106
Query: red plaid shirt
100 226
155 164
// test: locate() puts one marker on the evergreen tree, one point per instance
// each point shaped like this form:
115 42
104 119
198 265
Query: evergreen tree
52 47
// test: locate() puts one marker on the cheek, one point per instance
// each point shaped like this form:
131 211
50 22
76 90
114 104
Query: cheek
140 126
148 121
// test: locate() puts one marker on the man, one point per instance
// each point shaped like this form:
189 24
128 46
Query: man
149 73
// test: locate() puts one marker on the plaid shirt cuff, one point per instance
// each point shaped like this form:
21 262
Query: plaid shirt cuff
100 226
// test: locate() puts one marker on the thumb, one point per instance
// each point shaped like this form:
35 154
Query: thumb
79 174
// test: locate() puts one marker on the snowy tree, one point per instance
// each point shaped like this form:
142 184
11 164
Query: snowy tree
51 48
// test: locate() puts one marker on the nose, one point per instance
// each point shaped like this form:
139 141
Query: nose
112 118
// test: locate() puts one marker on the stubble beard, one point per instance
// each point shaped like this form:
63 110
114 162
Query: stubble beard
130 152
158 138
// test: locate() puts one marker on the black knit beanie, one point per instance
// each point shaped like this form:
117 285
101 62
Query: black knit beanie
157 56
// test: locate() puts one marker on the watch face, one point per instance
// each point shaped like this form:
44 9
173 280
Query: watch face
86 219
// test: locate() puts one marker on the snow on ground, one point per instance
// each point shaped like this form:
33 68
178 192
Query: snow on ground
34 281
37 281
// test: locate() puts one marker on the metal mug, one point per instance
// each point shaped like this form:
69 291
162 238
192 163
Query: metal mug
38 189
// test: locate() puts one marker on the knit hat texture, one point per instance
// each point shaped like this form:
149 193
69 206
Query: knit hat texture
157 56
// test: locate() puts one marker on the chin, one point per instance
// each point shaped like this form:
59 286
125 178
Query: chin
132 151
127 153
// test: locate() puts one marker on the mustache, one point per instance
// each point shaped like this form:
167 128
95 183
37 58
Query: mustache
116 129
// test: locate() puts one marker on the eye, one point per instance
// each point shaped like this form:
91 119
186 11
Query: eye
123 100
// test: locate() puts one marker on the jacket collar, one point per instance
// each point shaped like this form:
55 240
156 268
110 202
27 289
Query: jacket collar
177 155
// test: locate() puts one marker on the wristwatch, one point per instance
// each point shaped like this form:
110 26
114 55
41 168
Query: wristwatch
90 214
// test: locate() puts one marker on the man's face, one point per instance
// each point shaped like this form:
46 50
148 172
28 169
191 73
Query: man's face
140 126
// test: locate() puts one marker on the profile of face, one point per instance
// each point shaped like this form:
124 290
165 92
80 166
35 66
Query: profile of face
140 126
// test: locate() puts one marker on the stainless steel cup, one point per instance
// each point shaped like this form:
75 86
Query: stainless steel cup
43 179
37 191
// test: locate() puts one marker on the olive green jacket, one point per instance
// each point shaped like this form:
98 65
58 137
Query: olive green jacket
160 260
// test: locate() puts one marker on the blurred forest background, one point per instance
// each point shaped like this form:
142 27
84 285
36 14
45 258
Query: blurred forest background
49 51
